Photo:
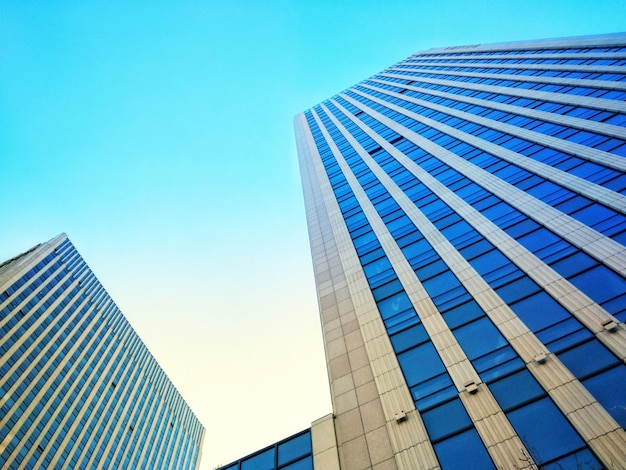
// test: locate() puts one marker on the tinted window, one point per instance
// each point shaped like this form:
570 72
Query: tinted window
544 430
464 450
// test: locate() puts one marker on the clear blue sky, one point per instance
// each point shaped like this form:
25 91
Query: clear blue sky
158 135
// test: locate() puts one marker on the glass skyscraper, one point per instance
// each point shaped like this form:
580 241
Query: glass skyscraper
467 218
78 388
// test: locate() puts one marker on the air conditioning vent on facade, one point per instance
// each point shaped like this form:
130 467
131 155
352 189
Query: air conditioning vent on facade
401 417
471 387
610 325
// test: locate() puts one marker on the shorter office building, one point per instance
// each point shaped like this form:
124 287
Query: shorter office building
292 453
78 388
315 447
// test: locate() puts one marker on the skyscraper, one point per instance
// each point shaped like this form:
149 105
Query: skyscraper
78 387
467 218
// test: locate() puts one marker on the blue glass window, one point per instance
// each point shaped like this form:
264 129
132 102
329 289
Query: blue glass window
441 283
617 307
587 358
490 338
517 290
294 448
420 363
408 338
515 390
364 239
262 461
539 311
476 249
395 304
600 283
387 290
544 430
464 450
520 228
593 214
573 264
379 272
418 250
446 420
456 230
432 269
609 388
582 459
304 464
538 239
463 313
434 391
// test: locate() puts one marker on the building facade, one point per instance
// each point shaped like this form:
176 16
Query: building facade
467 218
78 387
292 453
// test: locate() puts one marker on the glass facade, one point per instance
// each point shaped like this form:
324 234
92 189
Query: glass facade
293 453
78 387
467 215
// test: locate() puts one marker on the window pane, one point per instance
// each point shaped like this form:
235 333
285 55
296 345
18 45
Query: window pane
573 264
609 388
544 430
490 338
387 290
263 461
600 283
517 290
420 363
304 464
539 311
432 392
294 448
446 419
495 358
432 269
376 267
441 283
515 390
489 262
462 314
587 358
408 338
538 239
464 450
394 305
475 249
580 460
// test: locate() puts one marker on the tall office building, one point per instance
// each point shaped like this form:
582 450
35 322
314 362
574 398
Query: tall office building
78 387
467 218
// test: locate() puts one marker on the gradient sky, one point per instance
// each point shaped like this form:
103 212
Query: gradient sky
158 136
